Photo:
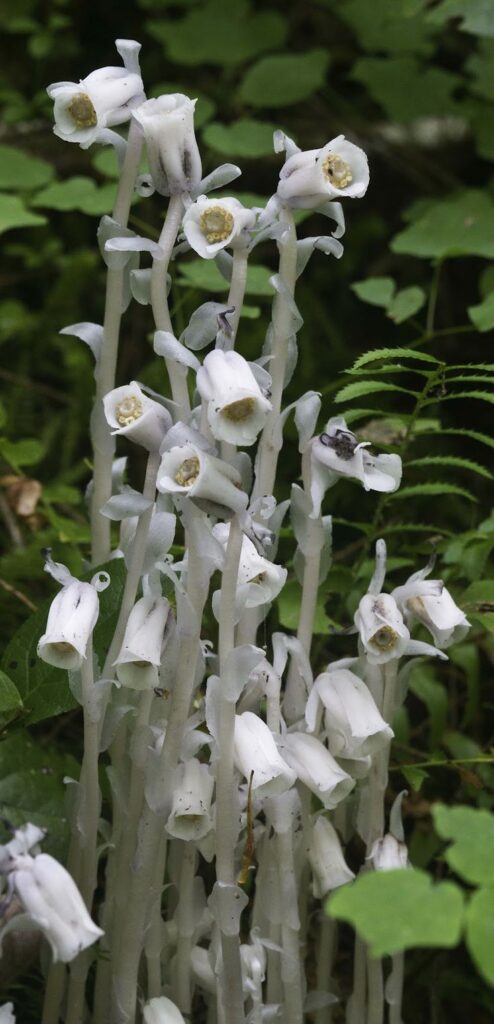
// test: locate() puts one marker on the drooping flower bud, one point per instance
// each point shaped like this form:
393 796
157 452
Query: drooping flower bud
389 853
140 654
255 752
316 768
382 630
236 407
162 1011
310 178
168 126
130 413
259 581
326 858
71 619
429 602
190 816
354 726
213 224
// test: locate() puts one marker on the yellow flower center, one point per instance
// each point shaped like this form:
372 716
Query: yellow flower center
216 224
63 646
188 472
128 411
384 639
82 111
336 171
241 410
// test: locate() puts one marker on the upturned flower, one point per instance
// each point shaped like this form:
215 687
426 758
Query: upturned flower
71 619
105 98
188 470
131 414
236 407
354 726
310 178
259 581
190 816
162 1011
326 859
429 602
382 630
168 126
389 853
316 767
213 224
51 898
256 754
337 452
140 654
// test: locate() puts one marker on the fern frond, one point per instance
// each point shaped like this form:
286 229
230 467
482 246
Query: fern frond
427 490
475 435
431 528
368 387
480 396
393 353
452 460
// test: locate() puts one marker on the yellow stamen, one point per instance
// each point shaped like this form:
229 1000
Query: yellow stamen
128 411
188 472
336 170
240 410
82 111
63 646
384 639
216 224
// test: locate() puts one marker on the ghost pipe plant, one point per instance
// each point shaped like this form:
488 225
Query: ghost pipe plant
235 777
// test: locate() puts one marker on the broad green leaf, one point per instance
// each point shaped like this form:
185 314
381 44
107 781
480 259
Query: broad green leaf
427 688
405 304
13 214
429 490
480 931
281 81
204 274
220 33
10 698
476 15
461 225
27 452
368 387
452 460
405 88
289 602
77 194
247 138
397 910
479 592
382 26
483 314
376 290
20 170
472 833
392 353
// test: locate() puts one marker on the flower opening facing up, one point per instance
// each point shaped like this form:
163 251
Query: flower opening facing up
213 224
310 178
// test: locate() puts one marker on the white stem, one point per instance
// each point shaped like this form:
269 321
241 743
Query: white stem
182 981
159 300
236 293
355 1013
375 1004
397 977
328 935
291 968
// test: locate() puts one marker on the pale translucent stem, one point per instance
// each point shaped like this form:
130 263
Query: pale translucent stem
295 690
236 293
53 994
355 1013
375 1002
291 968
159 300
182 981
326 948
274 988
398 972
154 936
103 443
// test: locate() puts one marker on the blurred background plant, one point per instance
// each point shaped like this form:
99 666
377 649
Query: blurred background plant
396 336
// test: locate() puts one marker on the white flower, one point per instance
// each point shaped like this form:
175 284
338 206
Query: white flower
255 751
213 224
310 178
71 619
130 413
316 767
50 896
190 816
186 469
140 653
382 630
354 726
336 452
389 853
23 840
168 126
326 858
259 581
237 409
7 1014
162 1011
431 603
82 109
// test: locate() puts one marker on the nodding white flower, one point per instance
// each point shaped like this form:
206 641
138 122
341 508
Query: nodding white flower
162 1011
82 109
190 816
326 858
310 178
130 413
213 224
382 630
316 767
50 896
7 1015
187 470
23 840
353 723
71 619
168 126
431 603
237 409
255 751
140 654
259 581
389 853
336 452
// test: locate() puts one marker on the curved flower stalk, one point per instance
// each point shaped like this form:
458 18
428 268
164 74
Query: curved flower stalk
430 603
236 406
308 179
71 619
168 126
82 110
210 225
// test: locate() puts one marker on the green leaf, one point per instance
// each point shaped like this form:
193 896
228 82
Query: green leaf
27 452
392 353
289 603
472 833
77 194
382 26
397 910
452 460
431 528
483 314
415 777
461 225
480 932
427 688
244 138
429 489
476 15
475 435
378 291
405 88
281 81
20 170
13 214
220 33
358 388
204 274
480 396
405 304
10 698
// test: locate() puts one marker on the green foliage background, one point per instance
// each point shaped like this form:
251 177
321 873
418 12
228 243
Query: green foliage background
412 82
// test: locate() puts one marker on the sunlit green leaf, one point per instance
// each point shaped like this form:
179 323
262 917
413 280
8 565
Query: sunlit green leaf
281 81
220 33
476 15
377 290
21 170
483 314
368 387
461 225
204 274
77 194
13 214
472 833
405 304
405 89
428 490
247 138
480 931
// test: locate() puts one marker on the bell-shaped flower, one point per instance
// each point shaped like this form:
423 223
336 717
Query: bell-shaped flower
256 754
190 816
316 767
213 224
383 633
236 407
7 1015
187 470
310 178
259 581
71 619
130 413
168 126
336 453
389 853
326 859
162 1011
105 98
354 726
140 654
429 602
51 898
24 839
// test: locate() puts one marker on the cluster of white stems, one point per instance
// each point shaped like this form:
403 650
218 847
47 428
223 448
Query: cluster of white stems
237 774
